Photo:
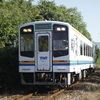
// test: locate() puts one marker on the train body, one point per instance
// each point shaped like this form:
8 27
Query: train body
53 53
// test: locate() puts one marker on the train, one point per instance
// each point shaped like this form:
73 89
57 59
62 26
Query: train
54 53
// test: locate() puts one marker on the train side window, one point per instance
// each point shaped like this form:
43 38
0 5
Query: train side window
90 51
84 49
81 48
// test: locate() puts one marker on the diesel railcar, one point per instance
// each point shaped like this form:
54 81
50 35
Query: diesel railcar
53 53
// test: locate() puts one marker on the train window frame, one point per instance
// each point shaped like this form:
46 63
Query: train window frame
28 37
57 35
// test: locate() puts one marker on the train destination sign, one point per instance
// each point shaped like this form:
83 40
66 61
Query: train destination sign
43 26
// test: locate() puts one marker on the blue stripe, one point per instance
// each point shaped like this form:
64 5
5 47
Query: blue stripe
75 63
57 64
26 64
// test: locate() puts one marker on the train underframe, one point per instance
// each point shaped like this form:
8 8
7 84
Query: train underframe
51 78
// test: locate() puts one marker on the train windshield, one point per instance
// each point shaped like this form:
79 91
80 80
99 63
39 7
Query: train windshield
27 41
60 40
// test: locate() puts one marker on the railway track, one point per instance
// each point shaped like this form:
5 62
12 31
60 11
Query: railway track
40 94
53 96
48 93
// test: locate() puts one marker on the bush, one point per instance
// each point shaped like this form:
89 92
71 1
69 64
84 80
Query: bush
9 75
97 56
98 62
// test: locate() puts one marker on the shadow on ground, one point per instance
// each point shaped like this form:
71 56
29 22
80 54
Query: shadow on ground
92 83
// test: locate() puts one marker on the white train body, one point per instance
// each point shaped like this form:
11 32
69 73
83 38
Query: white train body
53 53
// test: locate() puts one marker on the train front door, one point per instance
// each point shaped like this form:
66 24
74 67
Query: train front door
43 51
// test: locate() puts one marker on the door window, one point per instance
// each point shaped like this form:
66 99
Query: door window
43 43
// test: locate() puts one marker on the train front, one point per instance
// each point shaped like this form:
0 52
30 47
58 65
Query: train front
43 53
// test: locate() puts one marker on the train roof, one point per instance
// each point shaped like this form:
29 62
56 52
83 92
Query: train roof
36 22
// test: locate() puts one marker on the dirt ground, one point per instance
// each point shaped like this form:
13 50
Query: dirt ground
86 90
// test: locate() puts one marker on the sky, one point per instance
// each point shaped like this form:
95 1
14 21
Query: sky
90 11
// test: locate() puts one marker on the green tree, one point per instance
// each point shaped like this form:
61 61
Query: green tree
13 13
97 56
47 9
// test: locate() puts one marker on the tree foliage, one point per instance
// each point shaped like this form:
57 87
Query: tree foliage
12 14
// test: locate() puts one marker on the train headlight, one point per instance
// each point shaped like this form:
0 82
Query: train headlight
63 29
24 30
29 30
58 29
